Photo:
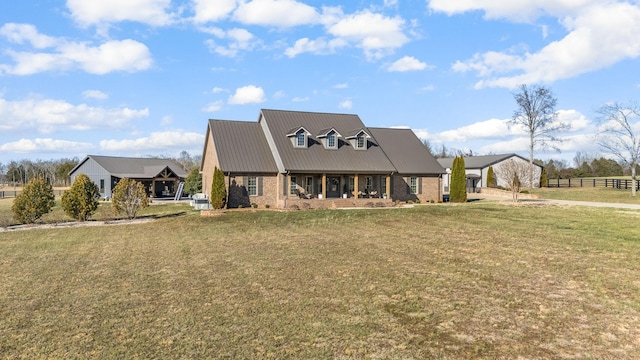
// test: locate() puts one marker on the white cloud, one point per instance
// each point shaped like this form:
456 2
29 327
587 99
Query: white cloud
21 33
300 99
213 107
217 90
278 13
428 88
492 128
347 104
166 120
279 95
151 12
45 145
341 86
376 34
94 94
49 116
407 63
207 10
250 94
593 41
320 46
114 55
177 139
238 40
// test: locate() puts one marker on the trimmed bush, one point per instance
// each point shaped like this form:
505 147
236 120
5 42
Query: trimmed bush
458 191
81 201
35 200
491 178
128 197
218 190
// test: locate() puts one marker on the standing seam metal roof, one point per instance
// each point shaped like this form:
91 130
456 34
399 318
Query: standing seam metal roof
315 158
141 168
242 147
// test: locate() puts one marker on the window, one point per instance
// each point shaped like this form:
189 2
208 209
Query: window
331 140
352 182
102 186
301 139
361 141
413 184
292 185
252 186
308 188
368 181
383 184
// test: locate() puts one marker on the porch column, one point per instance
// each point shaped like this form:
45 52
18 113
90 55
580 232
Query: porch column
355 186
324 186
153 188
388 186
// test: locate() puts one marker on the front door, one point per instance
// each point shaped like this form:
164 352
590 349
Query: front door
333 187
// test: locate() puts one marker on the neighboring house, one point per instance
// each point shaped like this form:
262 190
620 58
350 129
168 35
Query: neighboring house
290 158
476 168
160 177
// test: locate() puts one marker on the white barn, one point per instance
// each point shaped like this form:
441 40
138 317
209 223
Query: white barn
160 177
477 167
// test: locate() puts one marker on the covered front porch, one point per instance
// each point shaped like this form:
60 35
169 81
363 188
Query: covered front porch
338 186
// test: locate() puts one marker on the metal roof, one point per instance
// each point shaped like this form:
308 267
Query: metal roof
139 168
242 147
478 162
315 158
406 152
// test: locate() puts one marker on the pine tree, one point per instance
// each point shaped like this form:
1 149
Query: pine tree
491 178
193 182
458 191
218 190
81 201
35 200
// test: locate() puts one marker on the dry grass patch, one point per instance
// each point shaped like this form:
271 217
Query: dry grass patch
587 194
476 281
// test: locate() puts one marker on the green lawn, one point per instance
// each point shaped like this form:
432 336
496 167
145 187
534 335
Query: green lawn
448 281
587 194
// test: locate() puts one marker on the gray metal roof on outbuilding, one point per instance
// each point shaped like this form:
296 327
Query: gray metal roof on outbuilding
129 167
478 162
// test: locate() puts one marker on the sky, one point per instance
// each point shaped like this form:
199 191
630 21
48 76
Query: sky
142 77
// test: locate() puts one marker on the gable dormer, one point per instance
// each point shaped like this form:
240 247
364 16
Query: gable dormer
358 139
329 138
299 137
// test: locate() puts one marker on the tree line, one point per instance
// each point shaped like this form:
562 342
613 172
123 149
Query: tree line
56 171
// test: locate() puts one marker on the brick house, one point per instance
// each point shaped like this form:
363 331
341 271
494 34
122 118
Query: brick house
310 159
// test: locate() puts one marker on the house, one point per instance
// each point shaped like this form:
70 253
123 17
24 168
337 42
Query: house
476 168
160 177
294 158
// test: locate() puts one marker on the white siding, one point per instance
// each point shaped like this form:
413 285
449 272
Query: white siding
95 172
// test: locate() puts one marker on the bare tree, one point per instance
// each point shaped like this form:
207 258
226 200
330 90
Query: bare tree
514 175
536 114
620 134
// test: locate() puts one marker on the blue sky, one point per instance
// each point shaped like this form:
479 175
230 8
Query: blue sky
141 77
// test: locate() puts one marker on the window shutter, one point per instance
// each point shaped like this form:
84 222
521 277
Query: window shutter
285 182
419 185
245 186
391 183
259 184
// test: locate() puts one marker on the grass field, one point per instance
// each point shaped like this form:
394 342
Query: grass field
588 194
478 280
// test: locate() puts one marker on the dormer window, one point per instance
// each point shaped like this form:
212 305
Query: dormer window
359 139
301 139
329 138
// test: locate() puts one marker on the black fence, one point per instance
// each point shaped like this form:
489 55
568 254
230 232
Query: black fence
623 184
13 193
